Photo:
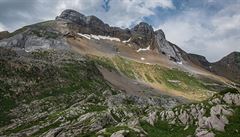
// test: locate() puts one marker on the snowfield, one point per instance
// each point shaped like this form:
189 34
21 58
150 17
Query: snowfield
143 49
98 37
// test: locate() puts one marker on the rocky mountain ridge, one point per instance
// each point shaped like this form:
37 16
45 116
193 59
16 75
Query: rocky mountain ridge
228 66
141 36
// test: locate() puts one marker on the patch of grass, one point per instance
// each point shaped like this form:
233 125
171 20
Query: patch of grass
6 103
149 78
95 108
104 62
187 82
47 128
160 75
229 90
24 126
162 128
125 66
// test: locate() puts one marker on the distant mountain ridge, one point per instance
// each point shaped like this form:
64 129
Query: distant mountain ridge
228 66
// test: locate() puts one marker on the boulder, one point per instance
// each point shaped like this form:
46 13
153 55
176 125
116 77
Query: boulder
184 117
152 118
119 133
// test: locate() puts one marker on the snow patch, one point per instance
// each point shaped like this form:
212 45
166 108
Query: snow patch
144 49
174 81
99 37
85 36
142 58
180 62
126 41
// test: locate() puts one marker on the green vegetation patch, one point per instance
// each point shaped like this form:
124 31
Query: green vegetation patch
162 128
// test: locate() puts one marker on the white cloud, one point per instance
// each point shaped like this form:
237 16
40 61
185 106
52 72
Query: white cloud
122 13
212 36
2 27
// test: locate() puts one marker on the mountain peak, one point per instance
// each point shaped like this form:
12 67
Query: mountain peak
143 27
160 33
232 57
72 15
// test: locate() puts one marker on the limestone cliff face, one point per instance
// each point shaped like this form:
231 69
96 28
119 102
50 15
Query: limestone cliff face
140 36
165 47
39 36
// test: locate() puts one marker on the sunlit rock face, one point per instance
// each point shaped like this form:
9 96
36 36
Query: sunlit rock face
166 47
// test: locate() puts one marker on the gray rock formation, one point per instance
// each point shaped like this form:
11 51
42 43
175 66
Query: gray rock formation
166 47
31 42
141 36
72 15
216 120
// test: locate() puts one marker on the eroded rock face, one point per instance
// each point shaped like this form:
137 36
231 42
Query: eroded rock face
31 42
199 60
142 35
166 47
73 16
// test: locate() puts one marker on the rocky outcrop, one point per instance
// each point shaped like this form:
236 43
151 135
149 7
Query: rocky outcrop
78 22
143 35
4 34
165 47
31 40
199 60
72 15
211 116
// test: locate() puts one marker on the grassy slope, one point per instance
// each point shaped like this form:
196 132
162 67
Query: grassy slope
186 84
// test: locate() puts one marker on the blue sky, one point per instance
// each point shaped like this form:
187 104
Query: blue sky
206 27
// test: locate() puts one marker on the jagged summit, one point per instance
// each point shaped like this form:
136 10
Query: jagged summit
72 15
143 28
141 35
160 33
